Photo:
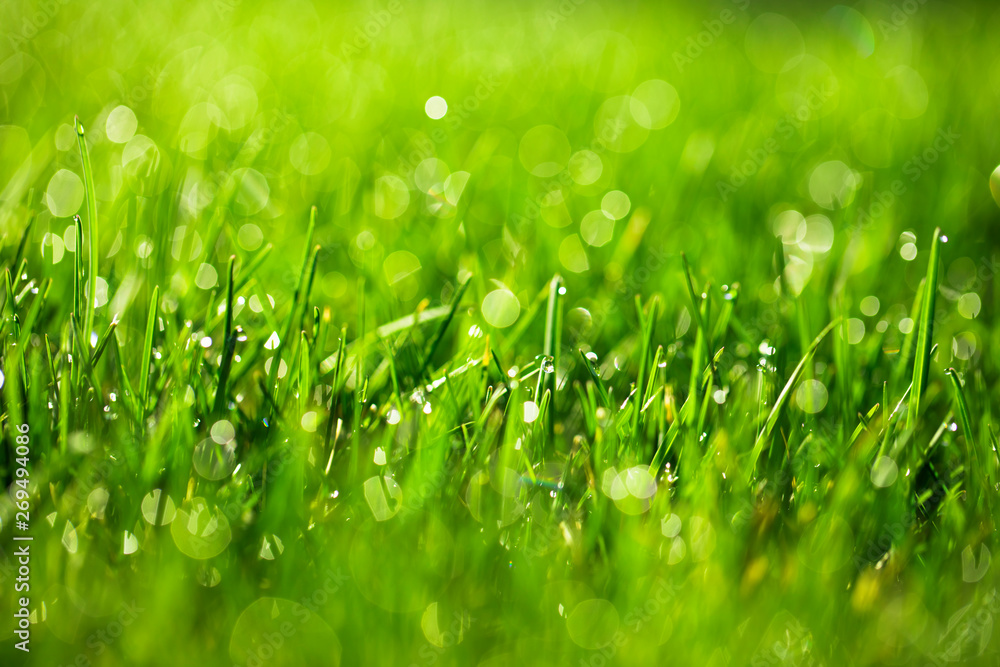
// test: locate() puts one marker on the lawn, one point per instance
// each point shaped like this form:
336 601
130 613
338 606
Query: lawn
511 333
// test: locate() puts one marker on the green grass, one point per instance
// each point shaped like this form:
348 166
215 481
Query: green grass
335 382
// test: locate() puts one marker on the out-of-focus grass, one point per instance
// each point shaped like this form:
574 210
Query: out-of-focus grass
473 408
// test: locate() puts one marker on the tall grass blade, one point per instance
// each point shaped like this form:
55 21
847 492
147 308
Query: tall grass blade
91 240
550 348
925 331
779 403
78 297
147 352
972 463
228 345
443 327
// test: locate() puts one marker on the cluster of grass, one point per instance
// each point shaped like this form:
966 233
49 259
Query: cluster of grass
642 352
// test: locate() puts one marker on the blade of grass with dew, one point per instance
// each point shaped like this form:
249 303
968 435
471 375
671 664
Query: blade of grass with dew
92 239
596 378
925 332
228 344
551 345
102 343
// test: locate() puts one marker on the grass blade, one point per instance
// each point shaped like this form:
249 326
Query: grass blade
147 352
925 332
973 473
779 403
699 318
647 335
229 345
247 271
102 344
272 378
550 348
78 267
88 181
443 327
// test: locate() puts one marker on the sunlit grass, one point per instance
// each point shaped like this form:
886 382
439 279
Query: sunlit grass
569 334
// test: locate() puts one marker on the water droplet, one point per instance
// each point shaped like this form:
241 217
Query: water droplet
548 365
